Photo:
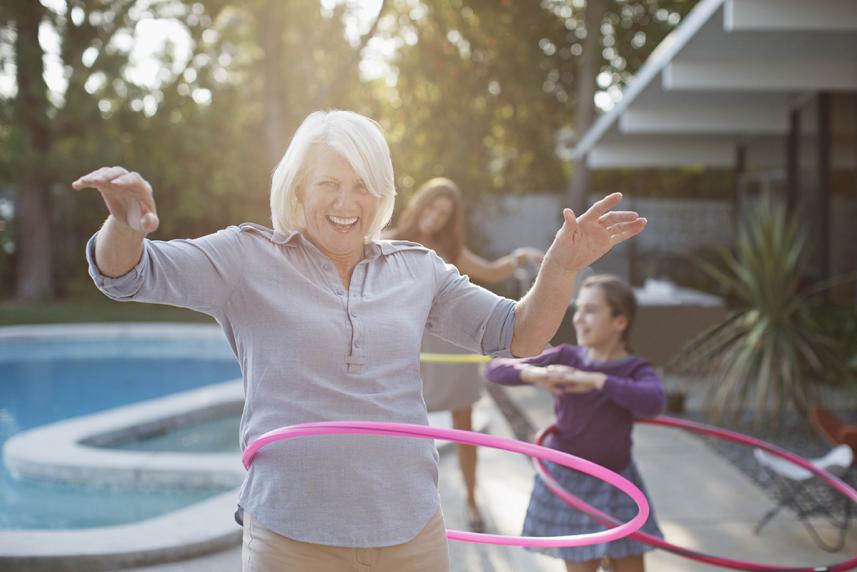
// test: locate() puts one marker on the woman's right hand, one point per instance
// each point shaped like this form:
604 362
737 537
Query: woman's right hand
128 196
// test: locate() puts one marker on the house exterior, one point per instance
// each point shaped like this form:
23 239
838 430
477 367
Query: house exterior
766 88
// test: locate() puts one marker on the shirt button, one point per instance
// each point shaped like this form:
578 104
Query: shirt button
339 292
353 313
356 344
325 266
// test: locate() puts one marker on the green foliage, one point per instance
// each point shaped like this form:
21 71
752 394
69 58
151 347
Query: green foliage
482 88
839 322
770 350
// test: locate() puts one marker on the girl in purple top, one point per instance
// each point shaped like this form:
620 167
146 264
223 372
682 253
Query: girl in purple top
600 390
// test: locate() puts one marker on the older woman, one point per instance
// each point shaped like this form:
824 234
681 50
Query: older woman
326 322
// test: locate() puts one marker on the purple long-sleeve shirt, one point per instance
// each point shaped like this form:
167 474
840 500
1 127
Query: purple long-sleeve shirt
595 425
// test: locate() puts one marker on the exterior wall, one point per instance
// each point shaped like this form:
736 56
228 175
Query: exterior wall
676 228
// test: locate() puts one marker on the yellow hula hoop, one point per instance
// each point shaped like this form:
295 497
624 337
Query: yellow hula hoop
454 358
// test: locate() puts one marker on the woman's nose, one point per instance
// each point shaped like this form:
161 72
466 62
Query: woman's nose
343 197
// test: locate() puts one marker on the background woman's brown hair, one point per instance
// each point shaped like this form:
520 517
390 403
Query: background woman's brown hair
448 241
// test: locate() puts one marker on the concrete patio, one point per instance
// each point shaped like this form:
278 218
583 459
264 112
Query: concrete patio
702 502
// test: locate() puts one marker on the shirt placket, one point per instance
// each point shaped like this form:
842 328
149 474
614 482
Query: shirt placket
357 357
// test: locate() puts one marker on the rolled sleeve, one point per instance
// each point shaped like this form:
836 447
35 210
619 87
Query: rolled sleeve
498 330
199 274
469 315
121 288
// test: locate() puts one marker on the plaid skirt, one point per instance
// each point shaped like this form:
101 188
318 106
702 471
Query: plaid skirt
549 515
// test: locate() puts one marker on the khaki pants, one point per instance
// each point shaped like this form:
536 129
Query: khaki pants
267 551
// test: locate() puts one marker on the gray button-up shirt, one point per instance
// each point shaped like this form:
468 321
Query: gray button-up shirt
312 350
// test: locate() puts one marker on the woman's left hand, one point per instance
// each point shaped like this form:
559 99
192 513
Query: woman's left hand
583 240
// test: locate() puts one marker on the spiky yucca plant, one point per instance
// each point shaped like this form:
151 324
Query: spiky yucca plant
769 350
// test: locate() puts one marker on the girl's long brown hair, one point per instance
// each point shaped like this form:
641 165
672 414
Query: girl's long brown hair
448 241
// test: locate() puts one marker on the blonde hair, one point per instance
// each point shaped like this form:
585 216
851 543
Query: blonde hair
359 140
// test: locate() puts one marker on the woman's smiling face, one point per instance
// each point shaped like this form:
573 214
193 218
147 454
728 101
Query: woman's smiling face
338 208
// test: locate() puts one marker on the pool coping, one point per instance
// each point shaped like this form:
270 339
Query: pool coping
74 450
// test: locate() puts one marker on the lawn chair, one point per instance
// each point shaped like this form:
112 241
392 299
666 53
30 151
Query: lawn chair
795 490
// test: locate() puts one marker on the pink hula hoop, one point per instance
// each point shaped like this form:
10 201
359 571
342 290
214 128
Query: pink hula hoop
479 439
708 430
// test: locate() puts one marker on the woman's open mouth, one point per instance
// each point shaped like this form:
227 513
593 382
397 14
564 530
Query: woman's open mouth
343 224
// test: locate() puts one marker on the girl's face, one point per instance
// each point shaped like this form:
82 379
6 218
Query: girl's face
435 215
594 322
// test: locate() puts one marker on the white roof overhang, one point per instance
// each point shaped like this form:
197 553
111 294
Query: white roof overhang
731 72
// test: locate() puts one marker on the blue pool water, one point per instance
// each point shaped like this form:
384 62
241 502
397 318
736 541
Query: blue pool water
212 436
42 381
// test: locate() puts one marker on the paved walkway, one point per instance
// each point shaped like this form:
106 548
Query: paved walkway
702 503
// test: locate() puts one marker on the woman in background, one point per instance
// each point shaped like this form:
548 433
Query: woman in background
434 218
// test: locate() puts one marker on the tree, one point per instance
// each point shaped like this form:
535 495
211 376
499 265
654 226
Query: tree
32 140
46 127
589 63
281 34
480 89
483 90
617 38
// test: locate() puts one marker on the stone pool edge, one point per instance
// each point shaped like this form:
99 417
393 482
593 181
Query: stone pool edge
67 451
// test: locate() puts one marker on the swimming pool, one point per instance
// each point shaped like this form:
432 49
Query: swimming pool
51 374
217 435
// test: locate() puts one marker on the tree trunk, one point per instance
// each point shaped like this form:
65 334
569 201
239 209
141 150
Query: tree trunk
585 111
33 241
270 26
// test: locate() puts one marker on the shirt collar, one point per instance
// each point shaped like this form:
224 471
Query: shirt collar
274 236
372 249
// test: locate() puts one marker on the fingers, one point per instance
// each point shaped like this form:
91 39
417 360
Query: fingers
602 207
149 222
569 220
614 217
98 177
127 195
136 184
568 216
624 230
132 182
